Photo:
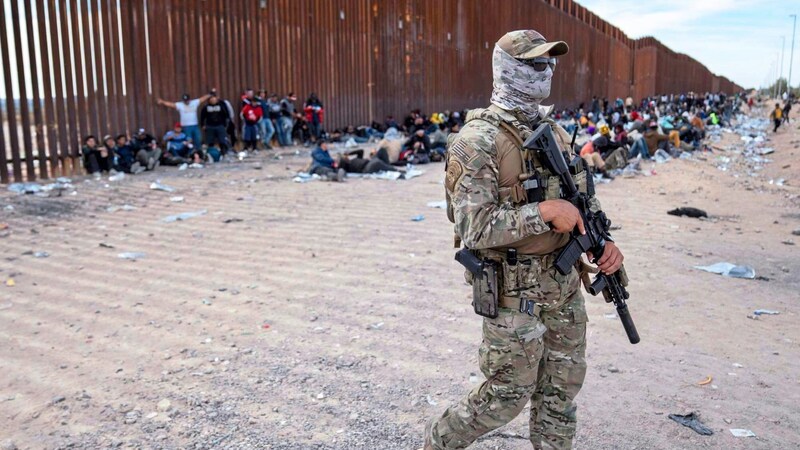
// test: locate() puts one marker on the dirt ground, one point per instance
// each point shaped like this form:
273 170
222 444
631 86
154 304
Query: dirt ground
319 316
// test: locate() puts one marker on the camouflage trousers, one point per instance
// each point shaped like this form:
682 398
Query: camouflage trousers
524 358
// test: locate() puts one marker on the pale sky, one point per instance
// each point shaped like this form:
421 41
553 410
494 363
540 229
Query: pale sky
739 39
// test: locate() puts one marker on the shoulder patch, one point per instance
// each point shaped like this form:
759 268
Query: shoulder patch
460 151
454 172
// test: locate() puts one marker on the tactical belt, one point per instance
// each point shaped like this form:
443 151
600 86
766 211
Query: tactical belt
545 261
516 303
520 304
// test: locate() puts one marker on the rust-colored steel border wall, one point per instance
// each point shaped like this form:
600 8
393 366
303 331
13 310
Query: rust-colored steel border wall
98 66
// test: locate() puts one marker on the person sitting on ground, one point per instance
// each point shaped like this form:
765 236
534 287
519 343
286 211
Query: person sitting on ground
654 139
96 159
354 162
126 160
351 133
142 139
698 125
593 159
419 123
110 146
390 122
776 116
612 152
214 118
146 148
620 135
323 164
392 143
180 147
438 143
417 148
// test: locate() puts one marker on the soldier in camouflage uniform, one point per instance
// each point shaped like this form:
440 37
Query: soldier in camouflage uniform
535 356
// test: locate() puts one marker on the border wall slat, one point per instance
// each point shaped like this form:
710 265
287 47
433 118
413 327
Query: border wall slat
11 109
80 98
93 122
23 94
101 99
4 175
38 120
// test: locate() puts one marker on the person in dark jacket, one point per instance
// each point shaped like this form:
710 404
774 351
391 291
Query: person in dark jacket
214 119
96 159
323 164
417 148
126 157
354 162
146 149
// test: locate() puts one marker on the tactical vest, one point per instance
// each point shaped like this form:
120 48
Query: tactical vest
518 132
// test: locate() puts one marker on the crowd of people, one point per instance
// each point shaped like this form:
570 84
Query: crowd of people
418 139
207 131
609 133
613 133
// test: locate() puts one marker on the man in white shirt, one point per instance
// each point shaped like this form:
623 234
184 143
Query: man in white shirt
188 112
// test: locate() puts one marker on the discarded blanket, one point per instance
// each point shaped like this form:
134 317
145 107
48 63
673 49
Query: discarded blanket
688 212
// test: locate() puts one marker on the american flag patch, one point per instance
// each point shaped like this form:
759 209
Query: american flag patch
459 150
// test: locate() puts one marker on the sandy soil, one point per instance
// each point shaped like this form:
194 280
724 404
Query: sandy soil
321 317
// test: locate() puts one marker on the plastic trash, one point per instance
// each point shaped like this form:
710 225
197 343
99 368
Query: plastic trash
132 256
25 188
418 218
661 156
157 186
392 134
184 216
119 176
115 208
41 255
741 432
768 312
730 270
686 155
176 199
304 177
692 421
183 166
441 205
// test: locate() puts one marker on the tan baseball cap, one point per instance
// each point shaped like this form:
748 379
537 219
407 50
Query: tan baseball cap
527 44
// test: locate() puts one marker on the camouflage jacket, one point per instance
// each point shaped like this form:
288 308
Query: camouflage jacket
483 218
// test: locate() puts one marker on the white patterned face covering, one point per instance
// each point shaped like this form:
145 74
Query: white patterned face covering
517 87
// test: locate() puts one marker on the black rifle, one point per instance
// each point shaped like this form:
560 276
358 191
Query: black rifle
597 224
